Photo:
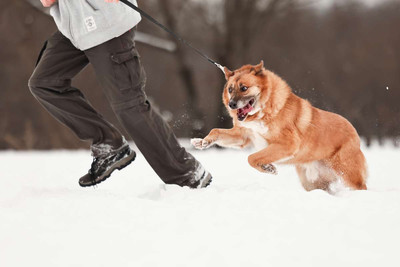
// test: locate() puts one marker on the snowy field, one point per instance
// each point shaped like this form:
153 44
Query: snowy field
244 219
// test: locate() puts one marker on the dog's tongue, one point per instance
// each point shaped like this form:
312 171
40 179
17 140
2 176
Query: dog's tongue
242 112
245 109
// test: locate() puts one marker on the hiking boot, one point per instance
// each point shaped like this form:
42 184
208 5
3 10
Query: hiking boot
202 178
105 161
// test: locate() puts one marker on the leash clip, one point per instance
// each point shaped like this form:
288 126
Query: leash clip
222 68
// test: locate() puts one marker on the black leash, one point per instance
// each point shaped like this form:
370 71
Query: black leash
147 16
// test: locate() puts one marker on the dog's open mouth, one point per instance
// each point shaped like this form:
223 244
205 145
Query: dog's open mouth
244 111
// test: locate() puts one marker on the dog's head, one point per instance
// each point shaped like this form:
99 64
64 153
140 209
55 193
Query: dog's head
243 90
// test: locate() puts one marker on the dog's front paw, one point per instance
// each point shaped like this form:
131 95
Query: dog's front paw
199 143
268 168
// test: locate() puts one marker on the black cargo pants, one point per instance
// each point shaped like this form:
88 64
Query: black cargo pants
119 71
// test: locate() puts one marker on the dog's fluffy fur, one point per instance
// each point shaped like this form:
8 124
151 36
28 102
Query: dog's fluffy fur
324 147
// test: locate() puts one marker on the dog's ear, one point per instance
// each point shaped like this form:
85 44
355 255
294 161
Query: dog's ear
258 69
228 73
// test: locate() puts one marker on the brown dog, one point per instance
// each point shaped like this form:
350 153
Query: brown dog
324 147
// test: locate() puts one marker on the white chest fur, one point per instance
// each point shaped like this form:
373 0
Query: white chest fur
257 133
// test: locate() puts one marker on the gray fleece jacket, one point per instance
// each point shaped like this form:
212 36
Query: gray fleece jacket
88 23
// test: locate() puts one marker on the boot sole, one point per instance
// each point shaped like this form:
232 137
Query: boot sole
117 166
205 182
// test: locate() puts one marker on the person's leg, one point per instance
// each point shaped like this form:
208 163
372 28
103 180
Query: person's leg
118 68
50 83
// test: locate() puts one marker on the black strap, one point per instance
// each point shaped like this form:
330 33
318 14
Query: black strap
147 16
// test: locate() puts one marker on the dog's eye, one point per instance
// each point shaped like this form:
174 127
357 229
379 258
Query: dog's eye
243 88
230 90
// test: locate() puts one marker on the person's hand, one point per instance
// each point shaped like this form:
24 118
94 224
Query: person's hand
111 1
48 3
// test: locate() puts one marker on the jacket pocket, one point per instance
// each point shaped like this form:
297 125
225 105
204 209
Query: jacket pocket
127 69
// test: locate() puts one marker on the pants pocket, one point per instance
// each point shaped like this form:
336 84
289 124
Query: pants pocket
41 53
127 69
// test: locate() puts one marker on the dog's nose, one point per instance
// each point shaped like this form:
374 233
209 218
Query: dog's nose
232 104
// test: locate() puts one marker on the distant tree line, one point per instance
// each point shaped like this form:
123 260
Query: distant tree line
345 59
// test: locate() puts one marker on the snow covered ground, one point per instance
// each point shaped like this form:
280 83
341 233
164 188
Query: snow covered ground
244 219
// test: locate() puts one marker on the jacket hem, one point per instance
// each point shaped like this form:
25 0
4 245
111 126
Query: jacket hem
101 36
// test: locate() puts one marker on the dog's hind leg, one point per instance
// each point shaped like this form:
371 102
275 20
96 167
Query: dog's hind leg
350 164
303 178
314 176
